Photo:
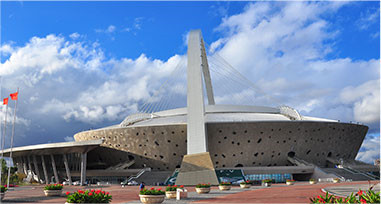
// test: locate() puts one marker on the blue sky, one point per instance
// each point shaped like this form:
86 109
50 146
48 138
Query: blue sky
75 62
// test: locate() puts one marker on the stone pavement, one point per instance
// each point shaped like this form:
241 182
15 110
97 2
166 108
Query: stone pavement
278 193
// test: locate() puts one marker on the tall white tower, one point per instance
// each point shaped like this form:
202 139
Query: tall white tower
197 166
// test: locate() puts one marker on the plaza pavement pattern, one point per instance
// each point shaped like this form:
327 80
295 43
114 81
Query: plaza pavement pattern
278 193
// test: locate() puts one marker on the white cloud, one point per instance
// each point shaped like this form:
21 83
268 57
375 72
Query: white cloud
74 36
109 29
370 150
282 50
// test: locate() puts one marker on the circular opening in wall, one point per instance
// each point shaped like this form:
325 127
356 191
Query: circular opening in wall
238 165
219 142
238 143
260 139
161 157
253 162
308 152
225 138
174 154
245 131
137 134
329 154
215 155
262 153
234 133
279 154
216 162
223 155
162 133
272 129
182 131
256 154
177 145
177 166
248 141
241 153
156 143
223 165
291 154
277 142
232 142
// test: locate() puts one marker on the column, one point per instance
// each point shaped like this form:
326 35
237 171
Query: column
44 169
24 161
83 168
54 169
36 168
67 168
29 164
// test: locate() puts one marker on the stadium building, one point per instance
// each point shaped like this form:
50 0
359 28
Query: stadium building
203 143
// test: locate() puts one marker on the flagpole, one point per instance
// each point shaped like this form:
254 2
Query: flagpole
3 140
13 133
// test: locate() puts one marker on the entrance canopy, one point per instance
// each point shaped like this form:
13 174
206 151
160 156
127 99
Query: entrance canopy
54 148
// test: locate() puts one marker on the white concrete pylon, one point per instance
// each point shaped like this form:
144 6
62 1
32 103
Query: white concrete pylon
197 65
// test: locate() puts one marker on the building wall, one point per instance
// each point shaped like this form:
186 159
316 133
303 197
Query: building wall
235 144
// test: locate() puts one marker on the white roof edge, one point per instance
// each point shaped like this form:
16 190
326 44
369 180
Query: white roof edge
55 145
221 109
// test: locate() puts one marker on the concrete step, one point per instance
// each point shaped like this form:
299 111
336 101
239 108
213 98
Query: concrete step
154 177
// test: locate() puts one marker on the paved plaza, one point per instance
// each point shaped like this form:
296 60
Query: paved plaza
278 193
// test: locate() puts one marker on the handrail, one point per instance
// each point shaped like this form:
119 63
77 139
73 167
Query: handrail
141 172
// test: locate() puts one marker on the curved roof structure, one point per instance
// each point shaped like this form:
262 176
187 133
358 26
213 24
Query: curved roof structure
219 114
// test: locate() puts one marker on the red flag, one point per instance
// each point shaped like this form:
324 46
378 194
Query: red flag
5 101
14 96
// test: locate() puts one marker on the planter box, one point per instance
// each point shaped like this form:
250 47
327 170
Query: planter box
225 188
267 184
312 182
202 190
151 198
289 183
245 185
170 194
53 192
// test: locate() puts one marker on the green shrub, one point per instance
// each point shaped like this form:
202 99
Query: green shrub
225 184
360 197
173 188
203 185
89 196
53 187
152 191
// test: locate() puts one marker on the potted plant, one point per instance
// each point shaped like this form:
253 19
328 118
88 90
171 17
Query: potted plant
312 181
225 186
53 189
88 196
336 180
245 184
290 181
2 191
170 191
202 188
267 182
152 195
